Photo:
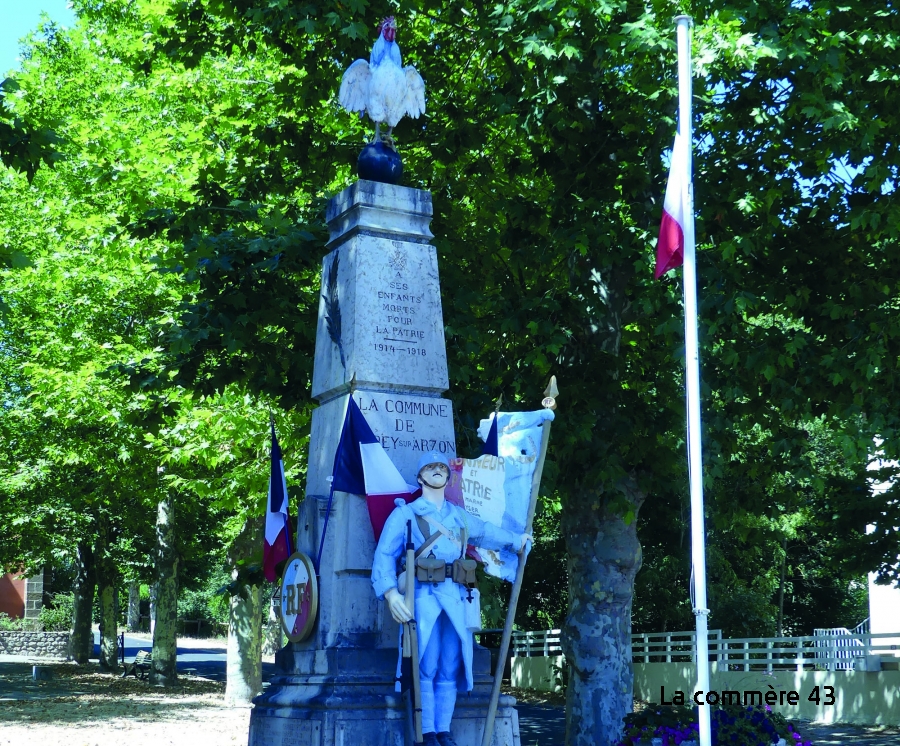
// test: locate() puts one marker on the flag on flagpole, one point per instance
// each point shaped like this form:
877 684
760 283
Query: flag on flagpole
676 247
277 543
670 246
362 467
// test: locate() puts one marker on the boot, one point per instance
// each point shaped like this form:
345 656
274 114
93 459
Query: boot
428 739
445 739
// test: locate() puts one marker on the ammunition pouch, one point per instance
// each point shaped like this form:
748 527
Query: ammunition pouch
464 572
430 569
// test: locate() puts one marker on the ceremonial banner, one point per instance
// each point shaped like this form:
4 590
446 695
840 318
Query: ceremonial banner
277 541
497 487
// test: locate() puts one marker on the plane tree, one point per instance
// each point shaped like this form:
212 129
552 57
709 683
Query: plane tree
545 148
157 476
77 296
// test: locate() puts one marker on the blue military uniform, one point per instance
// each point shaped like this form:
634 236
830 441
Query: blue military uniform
445 643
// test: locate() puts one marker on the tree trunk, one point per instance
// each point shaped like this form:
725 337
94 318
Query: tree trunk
244 663
134 607
106 584
153 594
272 634
165 640
81 642
604 556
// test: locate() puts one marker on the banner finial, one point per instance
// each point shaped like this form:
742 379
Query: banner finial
550 394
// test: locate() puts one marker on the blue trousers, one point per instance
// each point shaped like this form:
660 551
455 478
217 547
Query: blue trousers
439 669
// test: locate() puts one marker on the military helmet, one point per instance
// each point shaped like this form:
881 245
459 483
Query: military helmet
432 457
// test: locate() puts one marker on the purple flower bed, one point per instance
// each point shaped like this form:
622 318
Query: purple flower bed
732 725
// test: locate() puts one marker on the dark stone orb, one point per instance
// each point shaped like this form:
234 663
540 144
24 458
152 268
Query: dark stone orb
378 162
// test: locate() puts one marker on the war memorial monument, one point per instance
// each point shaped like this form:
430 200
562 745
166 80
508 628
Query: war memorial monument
380 340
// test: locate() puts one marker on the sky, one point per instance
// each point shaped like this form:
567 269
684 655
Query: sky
19 17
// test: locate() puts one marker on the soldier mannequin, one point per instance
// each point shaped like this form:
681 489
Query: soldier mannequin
445 643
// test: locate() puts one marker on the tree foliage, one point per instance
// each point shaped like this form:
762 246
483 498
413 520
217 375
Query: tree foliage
202 138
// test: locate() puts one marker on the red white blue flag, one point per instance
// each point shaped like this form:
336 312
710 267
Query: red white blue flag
670 246
277 543
362 467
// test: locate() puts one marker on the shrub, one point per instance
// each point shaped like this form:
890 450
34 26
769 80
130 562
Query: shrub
193 605
730 724
204 604
58 616
8 624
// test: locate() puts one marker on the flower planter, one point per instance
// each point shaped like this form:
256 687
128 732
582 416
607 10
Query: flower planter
658 742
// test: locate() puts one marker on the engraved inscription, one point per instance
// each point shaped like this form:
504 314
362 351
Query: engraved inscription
398 329
407 423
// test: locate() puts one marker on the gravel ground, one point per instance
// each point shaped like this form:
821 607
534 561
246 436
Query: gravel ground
81 706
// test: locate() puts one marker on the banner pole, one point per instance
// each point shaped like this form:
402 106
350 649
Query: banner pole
549 403
692 376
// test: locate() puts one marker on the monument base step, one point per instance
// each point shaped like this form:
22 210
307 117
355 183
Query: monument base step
346 697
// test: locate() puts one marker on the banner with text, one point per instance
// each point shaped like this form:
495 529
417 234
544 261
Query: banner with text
497 488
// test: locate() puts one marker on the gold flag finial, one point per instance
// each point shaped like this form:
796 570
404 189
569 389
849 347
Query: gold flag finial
550 394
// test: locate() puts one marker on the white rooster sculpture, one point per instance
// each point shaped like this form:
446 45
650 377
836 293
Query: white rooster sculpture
381 87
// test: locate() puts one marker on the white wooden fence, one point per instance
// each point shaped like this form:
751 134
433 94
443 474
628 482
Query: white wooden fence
532 644
663 647
833 649
669 647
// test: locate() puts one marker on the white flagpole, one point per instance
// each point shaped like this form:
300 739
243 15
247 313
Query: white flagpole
692 365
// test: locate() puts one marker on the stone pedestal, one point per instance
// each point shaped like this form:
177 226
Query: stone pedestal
379 339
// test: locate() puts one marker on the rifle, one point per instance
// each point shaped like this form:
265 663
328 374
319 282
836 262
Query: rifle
411 635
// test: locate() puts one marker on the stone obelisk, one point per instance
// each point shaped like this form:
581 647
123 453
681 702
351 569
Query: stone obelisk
380 339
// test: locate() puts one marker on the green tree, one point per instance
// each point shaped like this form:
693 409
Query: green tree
545 149
547 132
23 148
78 476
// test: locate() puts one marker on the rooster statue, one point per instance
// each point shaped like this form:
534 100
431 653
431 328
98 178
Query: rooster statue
381 87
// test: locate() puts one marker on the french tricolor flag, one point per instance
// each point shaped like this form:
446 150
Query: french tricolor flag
362 467
277 543
670 246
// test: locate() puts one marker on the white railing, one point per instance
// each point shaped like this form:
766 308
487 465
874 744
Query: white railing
532 644
830 649
664 646
669 647
830 652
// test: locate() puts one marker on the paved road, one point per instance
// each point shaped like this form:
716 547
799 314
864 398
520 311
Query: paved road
206 662
541 725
